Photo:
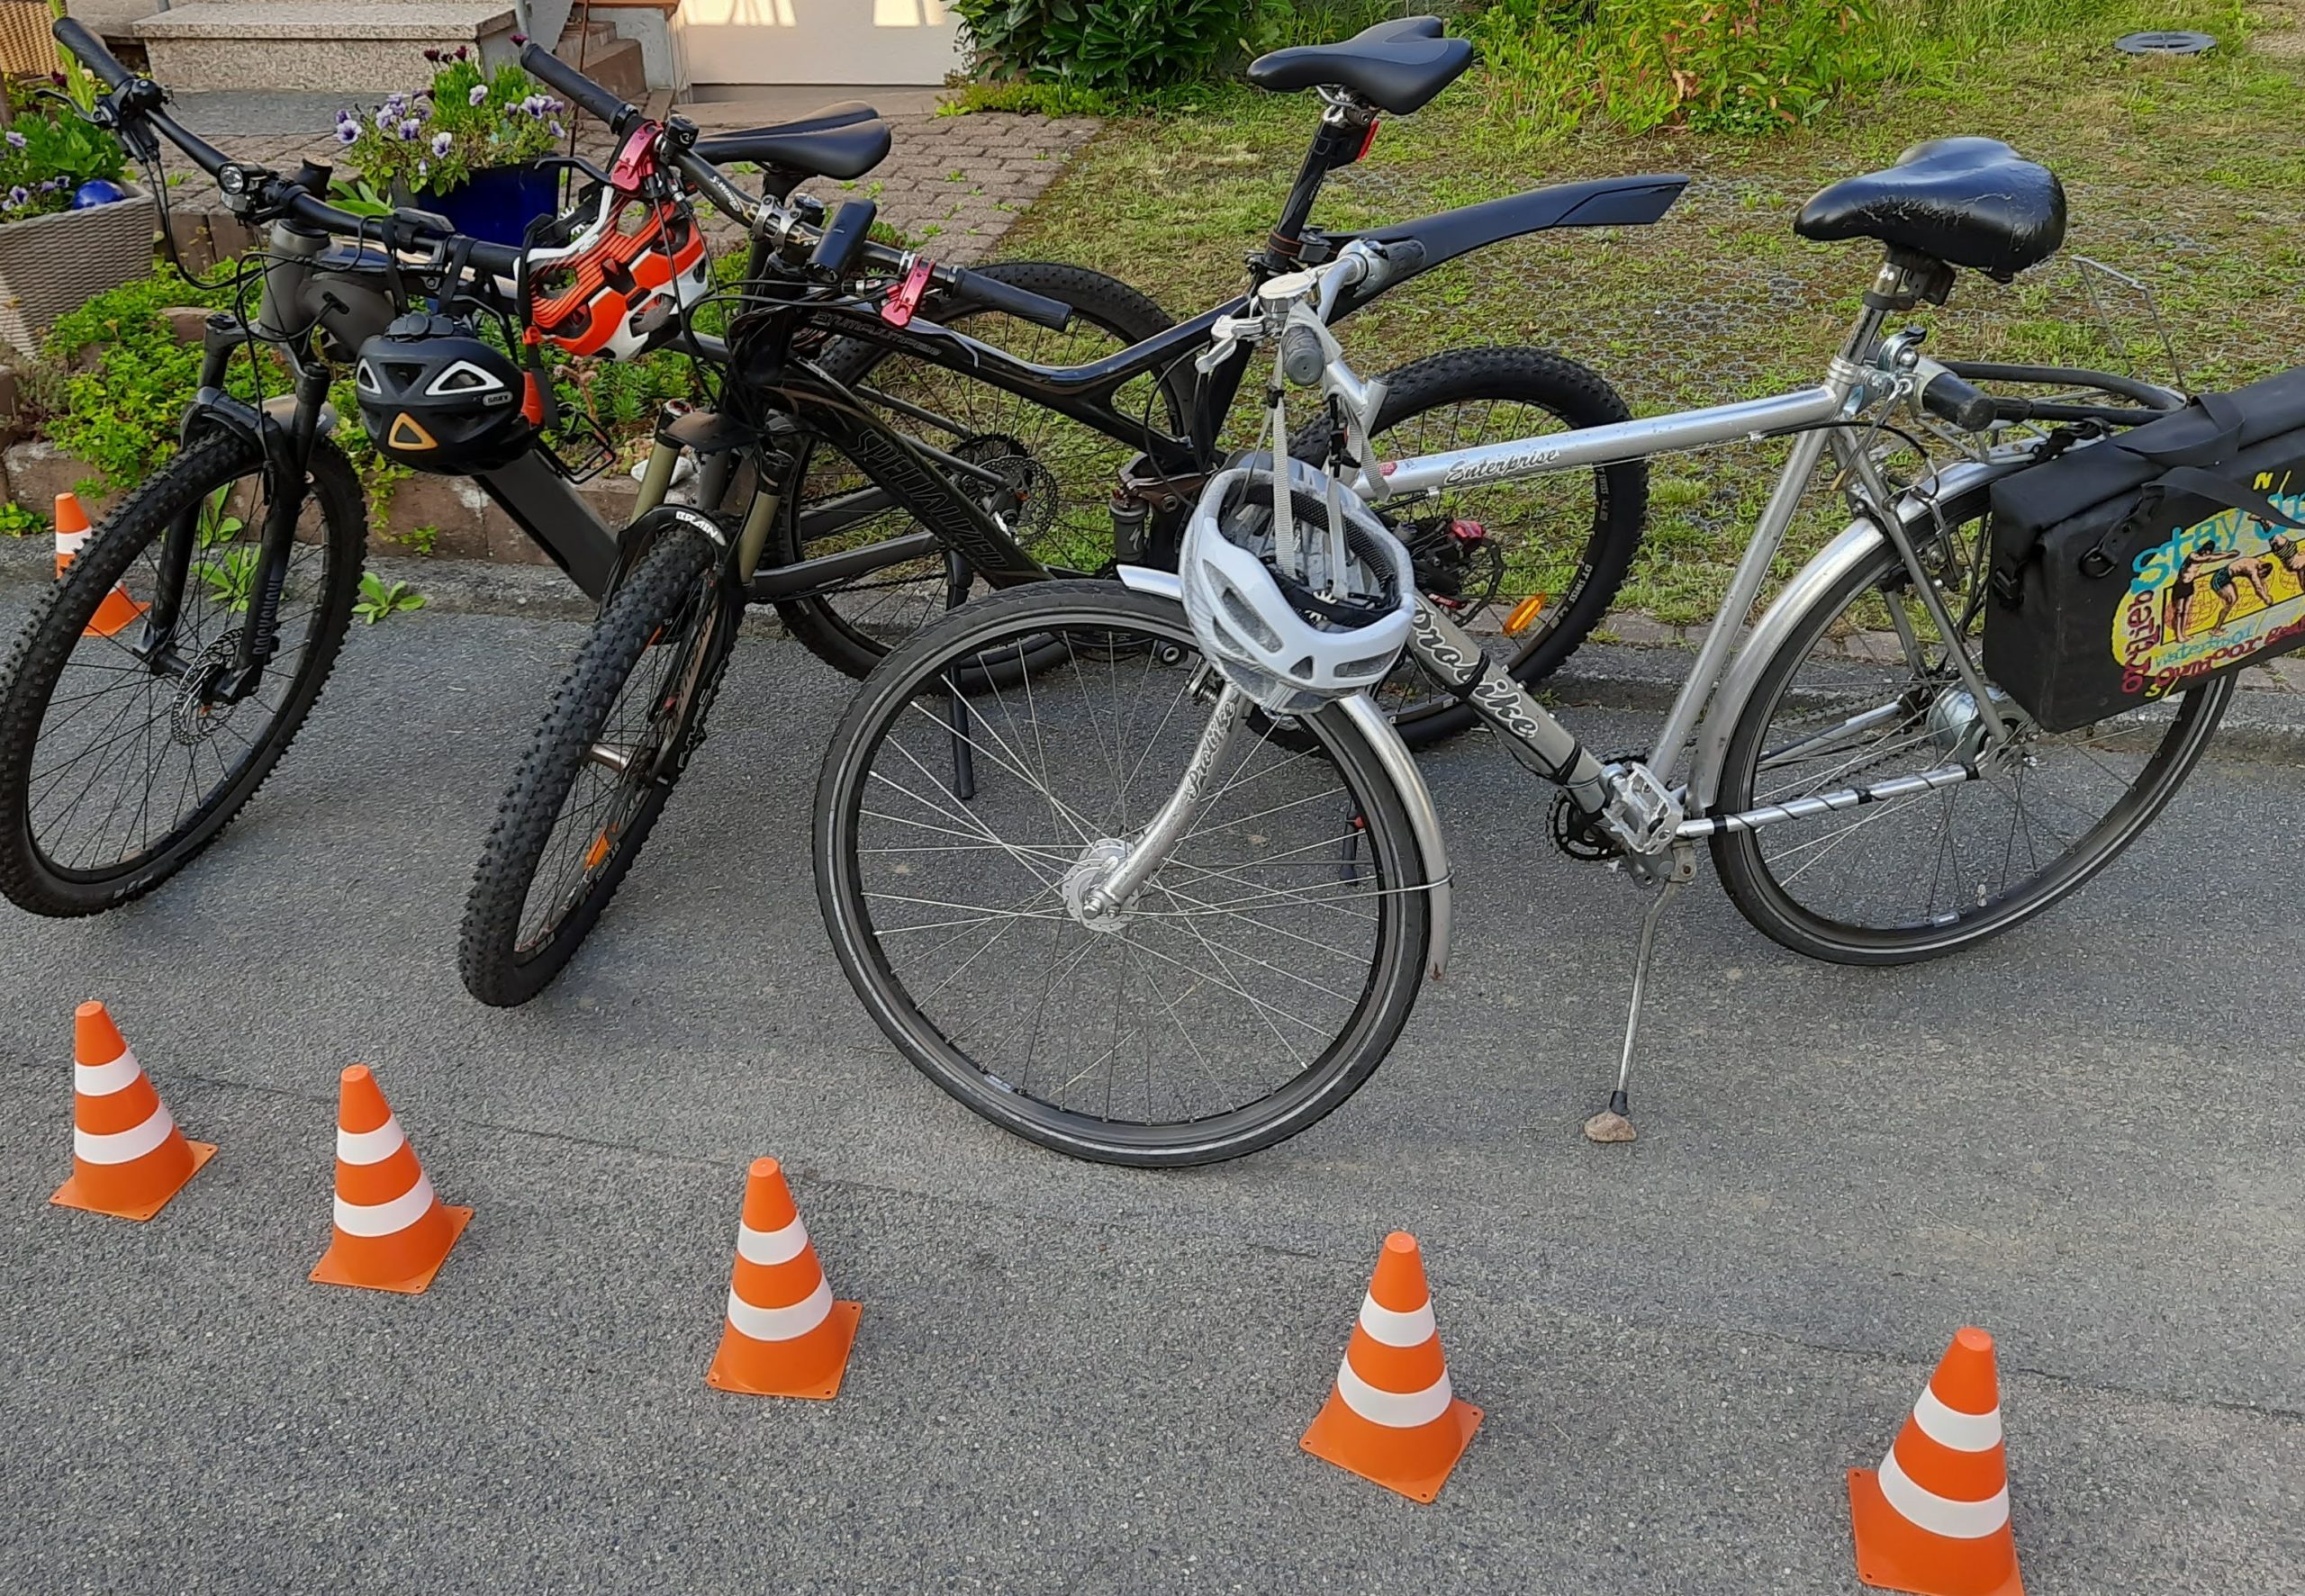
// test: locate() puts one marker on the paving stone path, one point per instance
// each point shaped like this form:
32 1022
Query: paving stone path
951 184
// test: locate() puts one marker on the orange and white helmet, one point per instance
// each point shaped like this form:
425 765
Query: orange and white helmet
618 287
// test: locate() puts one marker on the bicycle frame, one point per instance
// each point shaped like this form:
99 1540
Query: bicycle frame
1656 809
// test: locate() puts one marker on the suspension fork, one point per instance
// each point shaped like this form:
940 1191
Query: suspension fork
222 335
288 454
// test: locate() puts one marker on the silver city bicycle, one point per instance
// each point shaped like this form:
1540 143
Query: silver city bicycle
1116 908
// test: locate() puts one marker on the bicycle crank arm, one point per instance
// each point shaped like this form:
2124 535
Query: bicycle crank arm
1826 803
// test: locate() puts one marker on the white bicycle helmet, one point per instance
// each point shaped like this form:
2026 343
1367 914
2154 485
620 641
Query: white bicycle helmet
1276 622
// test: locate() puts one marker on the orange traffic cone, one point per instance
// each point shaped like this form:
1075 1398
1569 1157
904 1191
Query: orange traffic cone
128 1156
785 1335
118 611
1934 1518
1391 1417
392 1232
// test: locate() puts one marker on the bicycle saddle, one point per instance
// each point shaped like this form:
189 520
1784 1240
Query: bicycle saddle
1966 201
844 140
1396 66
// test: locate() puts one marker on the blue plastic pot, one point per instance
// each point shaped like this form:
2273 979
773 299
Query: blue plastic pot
497 203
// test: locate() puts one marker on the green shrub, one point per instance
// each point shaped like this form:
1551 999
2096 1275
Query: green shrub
1120 47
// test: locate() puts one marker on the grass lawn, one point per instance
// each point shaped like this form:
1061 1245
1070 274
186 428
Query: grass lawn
2187 174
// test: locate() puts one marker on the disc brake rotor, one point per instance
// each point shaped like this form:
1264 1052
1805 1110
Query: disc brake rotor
1029 489
195 716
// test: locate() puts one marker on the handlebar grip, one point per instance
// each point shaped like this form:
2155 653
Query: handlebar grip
74 36
582 91
1301 354
993 294
1949 398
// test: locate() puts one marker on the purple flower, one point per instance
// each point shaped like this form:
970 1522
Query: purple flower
19 195
346 133
409 129
15 139
479 93
386 117
441 142
432 55
559 131
464 51
519 40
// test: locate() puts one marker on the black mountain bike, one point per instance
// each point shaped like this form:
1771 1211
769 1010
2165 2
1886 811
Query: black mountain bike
126 746
1534 567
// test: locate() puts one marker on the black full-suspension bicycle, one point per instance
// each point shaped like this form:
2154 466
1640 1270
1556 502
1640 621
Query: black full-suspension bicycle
929 521
125 749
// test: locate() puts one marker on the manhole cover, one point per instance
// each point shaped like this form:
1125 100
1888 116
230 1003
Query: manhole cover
2163 44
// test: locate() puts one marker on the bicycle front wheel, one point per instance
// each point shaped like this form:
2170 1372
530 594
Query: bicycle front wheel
589 789
1249 988
1848 702
123 754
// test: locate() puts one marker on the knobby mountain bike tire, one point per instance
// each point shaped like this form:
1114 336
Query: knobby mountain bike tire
596 776
114 774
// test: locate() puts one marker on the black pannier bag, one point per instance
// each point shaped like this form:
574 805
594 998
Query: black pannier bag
2138 566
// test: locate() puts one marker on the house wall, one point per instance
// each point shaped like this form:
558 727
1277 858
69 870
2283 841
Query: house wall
767 42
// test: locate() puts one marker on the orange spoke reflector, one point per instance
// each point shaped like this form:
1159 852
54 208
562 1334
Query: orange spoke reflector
598 850
1524 614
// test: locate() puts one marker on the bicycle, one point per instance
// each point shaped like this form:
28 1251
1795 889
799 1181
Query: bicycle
629 713
126 750
1156 926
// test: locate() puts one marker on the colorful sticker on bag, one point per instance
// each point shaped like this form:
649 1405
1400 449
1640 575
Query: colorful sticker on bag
2218 591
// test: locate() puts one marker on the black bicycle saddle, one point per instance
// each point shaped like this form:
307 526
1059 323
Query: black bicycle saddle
844 140
1966 201
1396 66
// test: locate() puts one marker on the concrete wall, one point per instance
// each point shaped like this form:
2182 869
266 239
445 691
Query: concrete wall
764 41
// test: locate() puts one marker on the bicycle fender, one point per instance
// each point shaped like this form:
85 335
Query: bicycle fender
1399 767
1860 541
213 410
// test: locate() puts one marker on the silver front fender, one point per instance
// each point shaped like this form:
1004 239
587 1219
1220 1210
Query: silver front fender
1399 765
1858 543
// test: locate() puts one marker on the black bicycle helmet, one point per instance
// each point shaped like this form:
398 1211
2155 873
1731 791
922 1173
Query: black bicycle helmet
438 399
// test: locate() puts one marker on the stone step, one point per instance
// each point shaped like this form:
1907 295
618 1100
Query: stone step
348 46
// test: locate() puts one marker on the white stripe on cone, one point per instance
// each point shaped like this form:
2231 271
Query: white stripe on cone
370 1147
102 1080
781 1324
1953 1429
1941 1515
387 1218
1396 1329
122 1147
1392 1409
772 1247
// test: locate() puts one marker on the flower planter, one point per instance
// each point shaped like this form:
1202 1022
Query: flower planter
497 204
52 264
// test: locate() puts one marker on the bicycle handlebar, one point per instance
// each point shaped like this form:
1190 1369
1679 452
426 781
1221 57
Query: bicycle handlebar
582 91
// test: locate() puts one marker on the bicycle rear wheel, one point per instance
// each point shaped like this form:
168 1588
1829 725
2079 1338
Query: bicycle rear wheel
1249 990
121 761
1060 470
1844 703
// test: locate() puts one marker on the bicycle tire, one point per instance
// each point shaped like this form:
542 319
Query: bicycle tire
30 876
659 607
1536 380
1101 302
1104 610
1764 897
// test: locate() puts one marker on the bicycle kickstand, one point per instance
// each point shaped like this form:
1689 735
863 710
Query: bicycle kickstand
957 577
1610 1125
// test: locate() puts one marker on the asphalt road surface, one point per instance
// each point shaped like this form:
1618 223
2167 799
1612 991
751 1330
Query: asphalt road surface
2085 1138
